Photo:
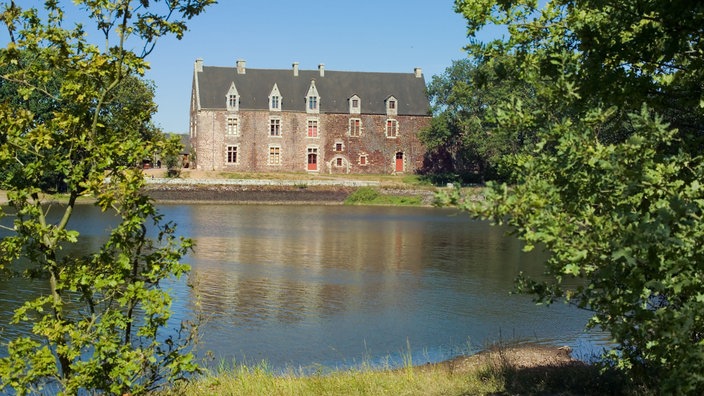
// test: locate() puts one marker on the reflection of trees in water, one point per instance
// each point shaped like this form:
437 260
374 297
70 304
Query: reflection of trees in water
292 264
337 272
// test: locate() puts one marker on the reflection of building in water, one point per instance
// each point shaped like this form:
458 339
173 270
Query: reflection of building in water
288 265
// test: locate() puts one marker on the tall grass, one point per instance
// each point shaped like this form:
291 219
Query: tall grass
259 380
501 369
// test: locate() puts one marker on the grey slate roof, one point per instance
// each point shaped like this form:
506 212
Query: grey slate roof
334 88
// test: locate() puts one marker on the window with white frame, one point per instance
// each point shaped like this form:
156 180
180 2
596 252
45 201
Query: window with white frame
231 155
275 99
312 99
339 146
274 155
312 103
275 126
312 127
391 106
363 160
275 103
232 126
355 105
355 128
232 98
391 128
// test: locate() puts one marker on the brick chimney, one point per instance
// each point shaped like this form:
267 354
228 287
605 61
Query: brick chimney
241 69
295 69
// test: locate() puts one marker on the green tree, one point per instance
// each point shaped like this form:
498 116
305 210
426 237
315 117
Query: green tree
130 107
100 326
612 189
467 100
171 149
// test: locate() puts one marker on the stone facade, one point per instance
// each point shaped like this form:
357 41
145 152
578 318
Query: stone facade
316 123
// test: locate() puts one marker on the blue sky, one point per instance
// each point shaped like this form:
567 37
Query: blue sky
359 35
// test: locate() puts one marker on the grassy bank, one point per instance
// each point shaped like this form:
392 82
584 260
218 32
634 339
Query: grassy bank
372 196
517 369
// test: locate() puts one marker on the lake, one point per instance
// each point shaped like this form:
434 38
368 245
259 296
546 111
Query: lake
306 287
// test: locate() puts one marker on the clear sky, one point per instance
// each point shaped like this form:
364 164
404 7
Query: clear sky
357 35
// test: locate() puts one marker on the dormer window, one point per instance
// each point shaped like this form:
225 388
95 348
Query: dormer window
355 105
232 99
312 99
391 106
275 99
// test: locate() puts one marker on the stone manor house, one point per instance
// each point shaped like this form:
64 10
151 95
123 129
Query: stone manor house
291 120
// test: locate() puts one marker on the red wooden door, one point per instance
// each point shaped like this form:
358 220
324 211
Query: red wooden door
312 162
399 162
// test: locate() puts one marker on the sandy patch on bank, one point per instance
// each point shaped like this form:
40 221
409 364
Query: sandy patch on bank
522 356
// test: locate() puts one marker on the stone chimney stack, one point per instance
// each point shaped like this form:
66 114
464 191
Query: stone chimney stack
199 65
321 68
241 69
418 72
295 69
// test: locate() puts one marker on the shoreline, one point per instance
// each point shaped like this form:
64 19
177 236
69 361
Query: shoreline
257 192
268 191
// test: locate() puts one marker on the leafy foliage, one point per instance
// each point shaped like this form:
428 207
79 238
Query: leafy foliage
170 150
612 189
469 100
71 109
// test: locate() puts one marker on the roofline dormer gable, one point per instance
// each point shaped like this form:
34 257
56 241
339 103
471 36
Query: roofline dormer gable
391 104
275 99
232 98
355 104
312 99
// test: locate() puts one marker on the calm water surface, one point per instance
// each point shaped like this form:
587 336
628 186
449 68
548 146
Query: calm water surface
302 286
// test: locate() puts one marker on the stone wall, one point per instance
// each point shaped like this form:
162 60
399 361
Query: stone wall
338 153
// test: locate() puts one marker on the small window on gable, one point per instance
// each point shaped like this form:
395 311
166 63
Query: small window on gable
363 160
355 105
275 99
391 106
232 98
312 99
339 146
